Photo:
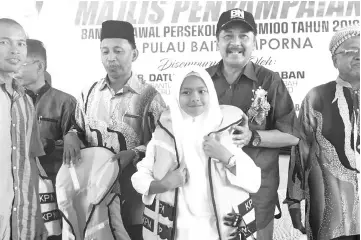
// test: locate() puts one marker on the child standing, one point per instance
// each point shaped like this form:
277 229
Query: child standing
193 174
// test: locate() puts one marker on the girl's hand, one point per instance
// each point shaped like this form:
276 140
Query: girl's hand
214 149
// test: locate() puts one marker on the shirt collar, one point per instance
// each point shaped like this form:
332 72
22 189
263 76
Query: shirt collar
343 83
248 71
132 85
16 86
42 90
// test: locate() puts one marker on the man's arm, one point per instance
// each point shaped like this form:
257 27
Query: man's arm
156 107
76 135
298 161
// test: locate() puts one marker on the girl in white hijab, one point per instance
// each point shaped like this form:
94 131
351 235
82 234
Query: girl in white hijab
190 180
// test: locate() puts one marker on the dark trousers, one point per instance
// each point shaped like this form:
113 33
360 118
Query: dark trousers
135 232
353 237
55 237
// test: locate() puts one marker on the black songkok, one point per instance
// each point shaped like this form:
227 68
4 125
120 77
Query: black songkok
117 29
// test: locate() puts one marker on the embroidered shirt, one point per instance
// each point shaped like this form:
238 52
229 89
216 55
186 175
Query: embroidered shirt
324 167
120 121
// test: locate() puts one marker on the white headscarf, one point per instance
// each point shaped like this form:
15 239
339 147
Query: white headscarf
208 121
189 133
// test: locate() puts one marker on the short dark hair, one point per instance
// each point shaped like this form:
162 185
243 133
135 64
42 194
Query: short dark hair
36 49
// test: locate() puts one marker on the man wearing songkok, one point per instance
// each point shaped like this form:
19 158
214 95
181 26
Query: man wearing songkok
118 112
325 165
20 144
261 93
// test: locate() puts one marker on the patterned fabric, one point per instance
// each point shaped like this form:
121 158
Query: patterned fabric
120 121
114 120
54 114
324 166
342 35
19 145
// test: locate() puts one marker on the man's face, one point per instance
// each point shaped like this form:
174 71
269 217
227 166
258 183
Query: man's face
117 56
348 62
12 47
29 72
236 43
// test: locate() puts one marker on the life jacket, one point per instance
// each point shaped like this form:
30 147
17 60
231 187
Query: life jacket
160 218
48 205
84 195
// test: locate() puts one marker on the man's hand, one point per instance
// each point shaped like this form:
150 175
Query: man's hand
214 149
71 149
124 157
175 177
242 134
295 214
42 233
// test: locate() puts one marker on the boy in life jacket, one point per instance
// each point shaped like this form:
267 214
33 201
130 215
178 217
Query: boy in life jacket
193 175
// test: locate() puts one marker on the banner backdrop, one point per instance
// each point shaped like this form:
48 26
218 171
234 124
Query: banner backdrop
293 38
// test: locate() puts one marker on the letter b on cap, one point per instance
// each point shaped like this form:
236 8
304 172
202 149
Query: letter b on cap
237 13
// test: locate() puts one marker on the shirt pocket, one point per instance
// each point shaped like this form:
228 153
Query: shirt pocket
47 119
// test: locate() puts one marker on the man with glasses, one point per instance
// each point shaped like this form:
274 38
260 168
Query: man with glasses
325 166
54 111
54 108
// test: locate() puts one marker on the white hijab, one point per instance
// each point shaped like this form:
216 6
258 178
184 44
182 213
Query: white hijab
189 133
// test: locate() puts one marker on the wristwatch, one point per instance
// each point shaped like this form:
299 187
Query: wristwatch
255 139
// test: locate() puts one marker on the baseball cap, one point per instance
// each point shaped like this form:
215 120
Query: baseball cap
236 15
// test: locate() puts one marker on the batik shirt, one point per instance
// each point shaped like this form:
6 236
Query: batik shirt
120 121
19 145
324 167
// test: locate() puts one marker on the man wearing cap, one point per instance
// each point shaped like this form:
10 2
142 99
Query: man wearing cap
120 113
261 93
325 165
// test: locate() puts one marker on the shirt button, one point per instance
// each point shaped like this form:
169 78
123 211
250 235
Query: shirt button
16 188
14 209
14 167
14 125
14 147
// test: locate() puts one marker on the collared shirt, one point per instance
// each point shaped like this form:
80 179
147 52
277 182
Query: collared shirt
54 114
281 116
120 121
19 145
325 166
115 120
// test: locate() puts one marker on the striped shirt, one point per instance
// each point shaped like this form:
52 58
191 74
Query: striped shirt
19 145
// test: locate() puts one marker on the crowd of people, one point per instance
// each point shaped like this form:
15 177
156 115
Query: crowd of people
120 163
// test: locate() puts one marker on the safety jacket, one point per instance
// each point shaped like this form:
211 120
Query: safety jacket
48 204
84 195
159 218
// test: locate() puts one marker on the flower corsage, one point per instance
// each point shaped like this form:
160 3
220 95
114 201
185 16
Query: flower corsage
260 107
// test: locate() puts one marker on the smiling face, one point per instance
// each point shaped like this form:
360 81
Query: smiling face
236 43
12 47
193 96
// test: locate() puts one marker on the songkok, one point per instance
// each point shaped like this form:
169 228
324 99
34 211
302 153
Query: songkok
342 35
117 29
